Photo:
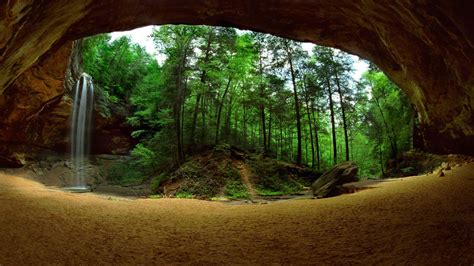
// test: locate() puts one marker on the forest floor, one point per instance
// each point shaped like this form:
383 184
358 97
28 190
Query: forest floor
421 220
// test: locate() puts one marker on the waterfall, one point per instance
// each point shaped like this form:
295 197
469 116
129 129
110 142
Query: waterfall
80 130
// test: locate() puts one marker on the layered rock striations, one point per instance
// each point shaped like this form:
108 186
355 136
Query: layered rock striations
35 111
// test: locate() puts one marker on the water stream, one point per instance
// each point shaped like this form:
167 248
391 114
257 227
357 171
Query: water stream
80 130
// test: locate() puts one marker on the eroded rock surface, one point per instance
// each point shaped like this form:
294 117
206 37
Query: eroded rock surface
36 108
426 47
330 183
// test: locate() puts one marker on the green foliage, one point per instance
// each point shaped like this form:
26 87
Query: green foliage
274 178
200 180
184 195
235 189
386 121
125 174
116 66
145 157
221 88
156 181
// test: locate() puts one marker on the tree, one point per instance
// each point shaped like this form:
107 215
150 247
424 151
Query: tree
176 43
290 53
252 90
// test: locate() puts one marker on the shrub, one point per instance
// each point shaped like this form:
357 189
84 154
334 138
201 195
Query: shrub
184 195
236 190
144 157
156 181
125 174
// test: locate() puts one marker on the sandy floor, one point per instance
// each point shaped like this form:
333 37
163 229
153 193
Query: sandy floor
422 220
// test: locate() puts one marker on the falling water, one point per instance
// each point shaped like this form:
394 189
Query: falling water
80 130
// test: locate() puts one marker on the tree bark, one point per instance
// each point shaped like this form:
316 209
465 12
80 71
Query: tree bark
333 123
392 139
199 95
316 138
344 121
310 134
220 111
269 139
297 106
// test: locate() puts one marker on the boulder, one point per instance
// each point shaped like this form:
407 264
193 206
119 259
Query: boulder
328 184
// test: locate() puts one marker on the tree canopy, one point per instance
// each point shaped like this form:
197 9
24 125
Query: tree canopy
252 90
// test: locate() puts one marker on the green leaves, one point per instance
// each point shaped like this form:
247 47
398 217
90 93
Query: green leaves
175 106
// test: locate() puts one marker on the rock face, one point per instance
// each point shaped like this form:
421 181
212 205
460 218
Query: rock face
111 136
328 184
35 111
426 47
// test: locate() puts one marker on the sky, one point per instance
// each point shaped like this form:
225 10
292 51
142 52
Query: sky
141 37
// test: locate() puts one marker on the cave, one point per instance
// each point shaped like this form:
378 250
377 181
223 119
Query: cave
426 48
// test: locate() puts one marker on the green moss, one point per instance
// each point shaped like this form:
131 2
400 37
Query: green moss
125 174
184 195
236 190
268 193
275 178
156 181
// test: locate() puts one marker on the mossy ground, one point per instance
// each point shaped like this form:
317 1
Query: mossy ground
214 174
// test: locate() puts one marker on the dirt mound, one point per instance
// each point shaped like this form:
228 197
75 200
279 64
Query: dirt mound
230 172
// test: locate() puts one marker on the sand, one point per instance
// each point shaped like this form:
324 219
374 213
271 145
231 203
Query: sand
420 220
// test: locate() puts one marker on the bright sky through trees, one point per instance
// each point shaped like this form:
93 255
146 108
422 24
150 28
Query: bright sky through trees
141 36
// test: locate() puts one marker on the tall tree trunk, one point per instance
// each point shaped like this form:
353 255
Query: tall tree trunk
192 138
183 105
391 138
261 105
381 158
281 139
220 111
344 121
245 126
306 156
177 108
308 113
228 120
269 140
297 106
316 138
263 129
310 134
203 123
333 123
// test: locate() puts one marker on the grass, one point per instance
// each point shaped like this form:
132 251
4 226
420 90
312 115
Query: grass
184 195
268 193
277 185
124 174
236 190
156 181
